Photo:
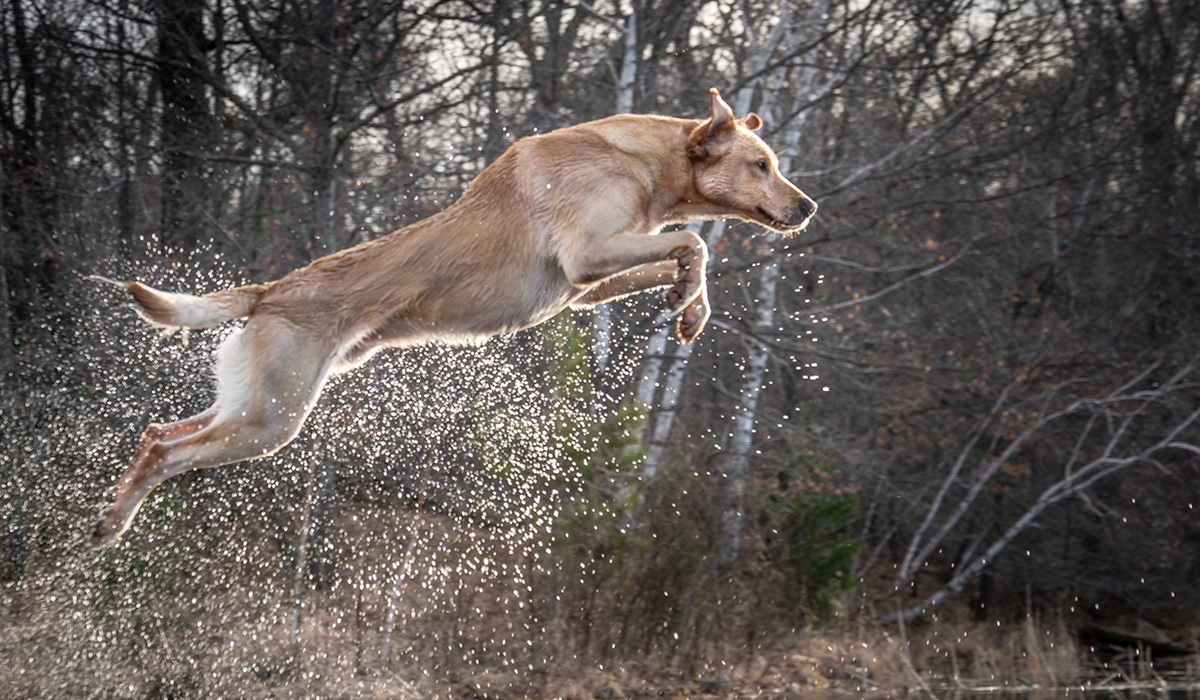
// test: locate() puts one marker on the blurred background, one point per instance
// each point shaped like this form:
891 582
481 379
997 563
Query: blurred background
967 394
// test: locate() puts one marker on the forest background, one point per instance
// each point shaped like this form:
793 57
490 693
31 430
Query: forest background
969 386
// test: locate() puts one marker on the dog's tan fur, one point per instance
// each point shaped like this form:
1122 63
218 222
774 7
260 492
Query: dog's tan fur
566 219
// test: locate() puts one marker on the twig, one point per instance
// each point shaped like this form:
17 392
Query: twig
907 656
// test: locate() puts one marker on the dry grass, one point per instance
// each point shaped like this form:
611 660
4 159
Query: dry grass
1027 654
475 617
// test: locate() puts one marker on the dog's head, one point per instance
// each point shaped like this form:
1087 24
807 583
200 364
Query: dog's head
739 174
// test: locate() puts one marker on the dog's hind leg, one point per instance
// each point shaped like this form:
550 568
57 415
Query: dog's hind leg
269 377
169 431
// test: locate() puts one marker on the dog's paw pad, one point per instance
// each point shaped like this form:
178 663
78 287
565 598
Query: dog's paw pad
691 322
678 296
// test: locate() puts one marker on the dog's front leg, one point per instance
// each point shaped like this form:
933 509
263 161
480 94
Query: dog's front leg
691 264
648 277
676 258
654 276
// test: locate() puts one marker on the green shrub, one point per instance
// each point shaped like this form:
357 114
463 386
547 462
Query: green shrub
813 550
561 450
141 583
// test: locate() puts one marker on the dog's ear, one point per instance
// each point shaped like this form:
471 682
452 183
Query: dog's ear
722 114
752 122
721 121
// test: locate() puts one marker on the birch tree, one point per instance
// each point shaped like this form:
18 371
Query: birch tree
782 62
663 373
789 35
625 74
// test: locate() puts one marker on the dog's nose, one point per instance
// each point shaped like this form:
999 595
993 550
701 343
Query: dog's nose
808 206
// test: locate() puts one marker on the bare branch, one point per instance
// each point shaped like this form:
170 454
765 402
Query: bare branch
1074 482
895 285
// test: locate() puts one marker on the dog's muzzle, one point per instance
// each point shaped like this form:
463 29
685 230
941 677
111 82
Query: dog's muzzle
801 213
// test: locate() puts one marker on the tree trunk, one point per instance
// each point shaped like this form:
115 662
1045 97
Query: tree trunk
186 125
669 368
741 439
626 84
27 205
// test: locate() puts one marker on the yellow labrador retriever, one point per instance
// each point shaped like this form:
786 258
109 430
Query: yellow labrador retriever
566 219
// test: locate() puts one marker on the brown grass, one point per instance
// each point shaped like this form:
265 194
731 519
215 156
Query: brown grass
479 614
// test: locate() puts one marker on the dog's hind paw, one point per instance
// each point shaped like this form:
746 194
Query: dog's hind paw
107 529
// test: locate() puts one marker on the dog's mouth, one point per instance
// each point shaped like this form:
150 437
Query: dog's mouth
776 224
767 219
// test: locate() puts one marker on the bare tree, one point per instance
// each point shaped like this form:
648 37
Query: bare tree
1136 423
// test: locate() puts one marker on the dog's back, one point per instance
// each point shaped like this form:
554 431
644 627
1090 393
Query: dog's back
491 263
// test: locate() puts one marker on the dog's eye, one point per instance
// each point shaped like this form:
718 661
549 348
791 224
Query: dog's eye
762 165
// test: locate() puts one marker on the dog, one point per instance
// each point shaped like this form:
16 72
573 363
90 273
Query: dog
567 219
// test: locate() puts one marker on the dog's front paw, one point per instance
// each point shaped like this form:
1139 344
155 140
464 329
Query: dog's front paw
676 296
689 279
692 320
688 287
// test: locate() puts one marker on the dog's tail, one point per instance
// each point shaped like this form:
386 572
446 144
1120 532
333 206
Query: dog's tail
174 310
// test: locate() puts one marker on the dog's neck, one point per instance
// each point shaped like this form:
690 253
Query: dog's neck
674 197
